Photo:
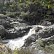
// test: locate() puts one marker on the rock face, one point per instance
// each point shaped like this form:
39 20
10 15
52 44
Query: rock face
41 32
45 33
13 33
46 23
42 41
11 28
30 39
2 30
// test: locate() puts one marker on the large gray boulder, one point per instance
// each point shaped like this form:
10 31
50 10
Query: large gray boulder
46 32
2 30
40 32
15 33
30 39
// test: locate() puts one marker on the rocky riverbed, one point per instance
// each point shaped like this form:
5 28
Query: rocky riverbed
16 33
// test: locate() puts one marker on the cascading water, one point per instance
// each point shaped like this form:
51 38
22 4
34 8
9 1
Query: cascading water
19 42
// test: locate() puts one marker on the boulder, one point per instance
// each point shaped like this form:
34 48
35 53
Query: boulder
45 33
41 32
30 39
15 33
5 23
2 30
45 23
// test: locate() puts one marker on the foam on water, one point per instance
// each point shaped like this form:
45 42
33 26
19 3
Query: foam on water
18 43
12 44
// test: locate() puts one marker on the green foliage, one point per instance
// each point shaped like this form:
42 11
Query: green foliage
11 14
16 51
49 49
38 9
22 51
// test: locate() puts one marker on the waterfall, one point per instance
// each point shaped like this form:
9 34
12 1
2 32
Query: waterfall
19 42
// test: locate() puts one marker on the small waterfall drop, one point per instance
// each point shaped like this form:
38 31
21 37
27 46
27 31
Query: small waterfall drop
17 43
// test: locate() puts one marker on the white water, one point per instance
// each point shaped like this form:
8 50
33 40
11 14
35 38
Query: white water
18 43
12 44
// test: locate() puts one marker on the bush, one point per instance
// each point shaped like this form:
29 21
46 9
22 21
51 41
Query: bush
11 14
38 10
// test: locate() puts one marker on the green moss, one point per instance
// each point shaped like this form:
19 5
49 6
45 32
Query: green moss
22 51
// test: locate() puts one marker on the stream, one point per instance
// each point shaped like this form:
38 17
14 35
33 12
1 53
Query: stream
19 42
33 34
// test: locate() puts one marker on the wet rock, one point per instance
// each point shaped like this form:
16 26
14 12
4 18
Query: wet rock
30 39
5 23
2 30
15 33
40 32
45 33
45 23
14 27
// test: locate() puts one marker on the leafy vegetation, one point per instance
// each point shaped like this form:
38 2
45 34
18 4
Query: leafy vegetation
38 9
47 47
16 51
